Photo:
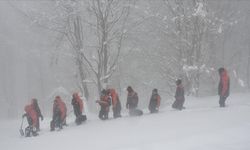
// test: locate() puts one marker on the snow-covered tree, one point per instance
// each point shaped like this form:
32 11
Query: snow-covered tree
108 23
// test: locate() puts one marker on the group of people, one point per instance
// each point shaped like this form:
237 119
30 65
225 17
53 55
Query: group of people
33 113
109 98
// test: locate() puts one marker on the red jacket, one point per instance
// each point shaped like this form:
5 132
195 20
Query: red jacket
224 84
30 111
114 96
79 101
59 104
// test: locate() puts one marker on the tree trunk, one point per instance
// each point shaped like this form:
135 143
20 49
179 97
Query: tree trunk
248 68
79 46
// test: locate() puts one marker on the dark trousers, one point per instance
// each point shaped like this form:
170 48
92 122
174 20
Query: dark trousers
80 119
222 101
30 130
57 122
103 114
178 104
117 111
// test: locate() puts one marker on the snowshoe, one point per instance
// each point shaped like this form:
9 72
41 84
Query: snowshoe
30 131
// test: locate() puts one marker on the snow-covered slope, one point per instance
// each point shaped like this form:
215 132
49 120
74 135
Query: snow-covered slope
202 126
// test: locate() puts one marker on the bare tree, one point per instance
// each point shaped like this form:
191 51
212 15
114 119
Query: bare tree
110 17
64 20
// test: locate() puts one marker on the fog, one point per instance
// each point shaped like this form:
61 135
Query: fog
57 47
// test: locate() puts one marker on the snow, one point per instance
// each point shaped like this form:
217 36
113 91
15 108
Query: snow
239 80
201 126
199 11
189 68
220 29
241 83
64 94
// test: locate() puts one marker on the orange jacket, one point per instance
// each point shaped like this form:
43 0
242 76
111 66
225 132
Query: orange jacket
224 84
30 111
62 107
158 101
114 96
79 101
225 80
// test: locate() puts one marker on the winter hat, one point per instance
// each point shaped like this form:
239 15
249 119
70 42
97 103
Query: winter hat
129 89
155 91
221 70
75 95
103 92
178 81
34 100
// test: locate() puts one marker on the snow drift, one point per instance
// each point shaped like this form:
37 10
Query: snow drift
201 126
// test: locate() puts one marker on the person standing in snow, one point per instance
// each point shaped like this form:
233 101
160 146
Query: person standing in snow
38 113
224 86
132 102
179 96
154 103
78 107
31 115
59 114
104 102
116 104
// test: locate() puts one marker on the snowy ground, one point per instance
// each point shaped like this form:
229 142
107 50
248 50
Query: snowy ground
202 126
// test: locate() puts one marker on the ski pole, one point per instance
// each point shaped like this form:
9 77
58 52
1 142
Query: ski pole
21 124
21 129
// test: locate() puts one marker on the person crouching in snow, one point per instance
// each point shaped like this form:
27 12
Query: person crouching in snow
132 102
104 102
154 103
224 86
31 116
36 107
179 96
78 107
116 104
59 114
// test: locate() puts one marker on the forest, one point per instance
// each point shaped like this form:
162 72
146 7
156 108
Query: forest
58 47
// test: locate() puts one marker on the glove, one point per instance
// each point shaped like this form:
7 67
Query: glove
23 115
42 117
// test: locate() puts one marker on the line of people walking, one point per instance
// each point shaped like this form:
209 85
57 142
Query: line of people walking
33 113
110 98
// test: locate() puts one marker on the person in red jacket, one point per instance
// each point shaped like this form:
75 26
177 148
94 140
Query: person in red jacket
224 86
155 101
59 114
116 104
36 107
104 102
31 115
132 102
179 96
78 107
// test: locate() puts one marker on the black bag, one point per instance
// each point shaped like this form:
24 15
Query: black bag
136 112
